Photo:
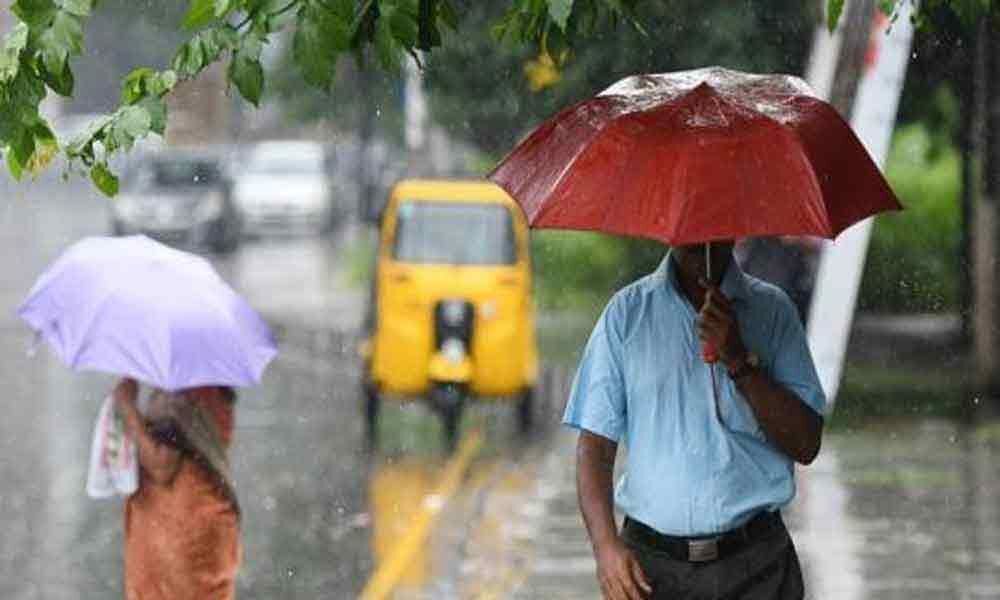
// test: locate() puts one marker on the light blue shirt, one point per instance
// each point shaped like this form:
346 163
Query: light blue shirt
642 382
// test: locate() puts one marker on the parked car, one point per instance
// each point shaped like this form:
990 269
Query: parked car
178 196
284 187
453 317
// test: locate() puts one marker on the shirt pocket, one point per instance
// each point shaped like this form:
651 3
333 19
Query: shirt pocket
735 411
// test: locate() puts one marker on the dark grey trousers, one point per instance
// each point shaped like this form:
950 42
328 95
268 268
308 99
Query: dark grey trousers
767 569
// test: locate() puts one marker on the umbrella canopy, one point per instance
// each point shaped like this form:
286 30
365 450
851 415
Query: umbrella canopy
697 156
134 307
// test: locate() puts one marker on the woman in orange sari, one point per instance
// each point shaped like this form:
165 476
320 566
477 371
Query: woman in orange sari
182 525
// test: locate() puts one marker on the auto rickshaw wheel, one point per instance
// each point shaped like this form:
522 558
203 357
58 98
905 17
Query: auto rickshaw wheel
526 411
449 400
372 405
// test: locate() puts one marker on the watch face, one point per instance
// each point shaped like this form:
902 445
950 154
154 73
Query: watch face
753 360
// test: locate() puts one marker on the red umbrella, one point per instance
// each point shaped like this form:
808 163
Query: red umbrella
697 156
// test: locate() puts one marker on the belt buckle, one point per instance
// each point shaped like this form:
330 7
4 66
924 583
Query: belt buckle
703 550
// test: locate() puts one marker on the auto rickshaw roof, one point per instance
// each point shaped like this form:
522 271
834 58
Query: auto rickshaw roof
473 191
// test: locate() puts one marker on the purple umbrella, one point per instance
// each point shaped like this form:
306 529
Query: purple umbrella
134 307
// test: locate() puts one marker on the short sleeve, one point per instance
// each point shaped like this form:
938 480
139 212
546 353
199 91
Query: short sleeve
793 365
597 397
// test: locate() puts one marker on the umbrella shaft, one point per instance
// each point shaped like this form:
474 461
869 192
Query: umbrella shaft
708 261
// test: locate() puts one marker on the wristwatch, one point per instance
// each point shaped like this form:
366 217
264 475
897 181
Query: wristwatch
747 365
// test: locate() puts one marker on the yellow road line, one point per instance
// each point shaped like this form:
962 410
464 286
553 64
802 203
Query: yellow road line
387 576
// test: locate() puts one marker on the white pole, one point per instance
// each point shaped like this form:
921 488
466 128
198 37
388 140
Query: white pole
842 262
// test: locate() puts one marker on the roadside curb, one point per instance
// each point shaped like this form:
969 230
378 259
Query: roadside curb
386 577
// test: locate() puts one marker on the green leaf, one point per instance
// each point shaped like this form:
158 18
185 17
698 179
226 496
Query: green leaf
45 148
80 8
447 14
16 168
104 179
248 76
157 109
388 51
319 38
35 13
560 11
203 49
134 87
64 38
129 124
200 13
93 131
343 9
315 65
10 56
834 8
163 83
19 151
61 83
403 20
252 46
222 7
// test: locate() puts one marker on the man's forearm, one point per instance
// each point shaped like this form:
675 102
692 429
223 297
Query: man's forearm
595 462
787 421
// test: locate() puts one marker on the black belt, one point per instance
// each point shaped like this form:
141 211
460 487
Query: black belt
704 549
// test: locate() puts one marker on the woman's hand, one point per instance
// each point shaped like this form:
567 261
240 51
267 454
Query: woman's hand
125 393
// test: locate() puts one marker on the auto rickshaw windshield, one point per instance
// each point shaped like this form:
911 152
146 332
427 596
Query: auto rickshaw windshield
454 233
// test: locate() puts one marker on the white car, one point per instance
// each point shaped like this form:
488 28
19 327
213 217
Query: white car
284 187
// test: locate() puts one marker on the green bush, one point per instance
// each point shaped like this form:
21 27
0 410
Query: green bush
913 259
579 271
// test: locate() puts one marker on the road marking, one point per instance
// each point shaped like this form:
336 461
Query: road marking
387 576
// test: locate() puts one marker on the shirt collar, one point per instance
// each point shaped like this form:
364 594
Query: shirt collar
734 282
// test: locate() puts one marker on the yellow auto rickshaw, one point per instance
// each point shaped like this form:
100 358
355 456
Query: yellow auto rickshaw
452 314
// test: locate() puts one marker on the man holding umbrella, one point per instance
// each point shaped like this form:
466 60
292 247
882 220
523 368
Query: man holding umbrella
704 481
700 370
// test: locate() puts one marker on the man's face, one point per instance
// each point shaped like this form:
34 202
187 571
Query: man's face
691 260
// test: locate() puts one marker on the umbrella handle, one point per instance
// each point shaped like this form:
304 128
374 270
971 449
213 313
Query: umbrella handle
709 353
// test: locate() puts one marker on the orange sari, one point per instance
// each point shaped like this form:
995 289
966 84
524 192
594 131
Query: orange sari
182 540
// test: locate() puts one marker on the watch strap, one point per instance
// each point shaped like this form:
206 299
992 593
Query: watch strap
744 369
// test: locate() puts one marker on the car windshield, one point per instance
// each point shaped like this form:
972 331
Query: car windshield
285 164
428 233
173 173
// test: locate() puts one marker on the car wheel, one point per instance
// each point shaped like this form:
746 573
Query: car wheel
226 238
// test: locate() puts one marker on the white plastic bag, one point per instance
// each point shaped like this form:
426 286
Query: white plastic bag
114 458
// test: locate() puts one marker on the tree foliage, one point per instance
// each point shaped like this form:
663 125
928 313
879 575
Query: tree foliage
488 97
35 58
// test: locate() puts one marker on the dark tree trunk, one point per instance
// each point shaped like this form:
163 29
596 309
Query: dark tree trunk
981 179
